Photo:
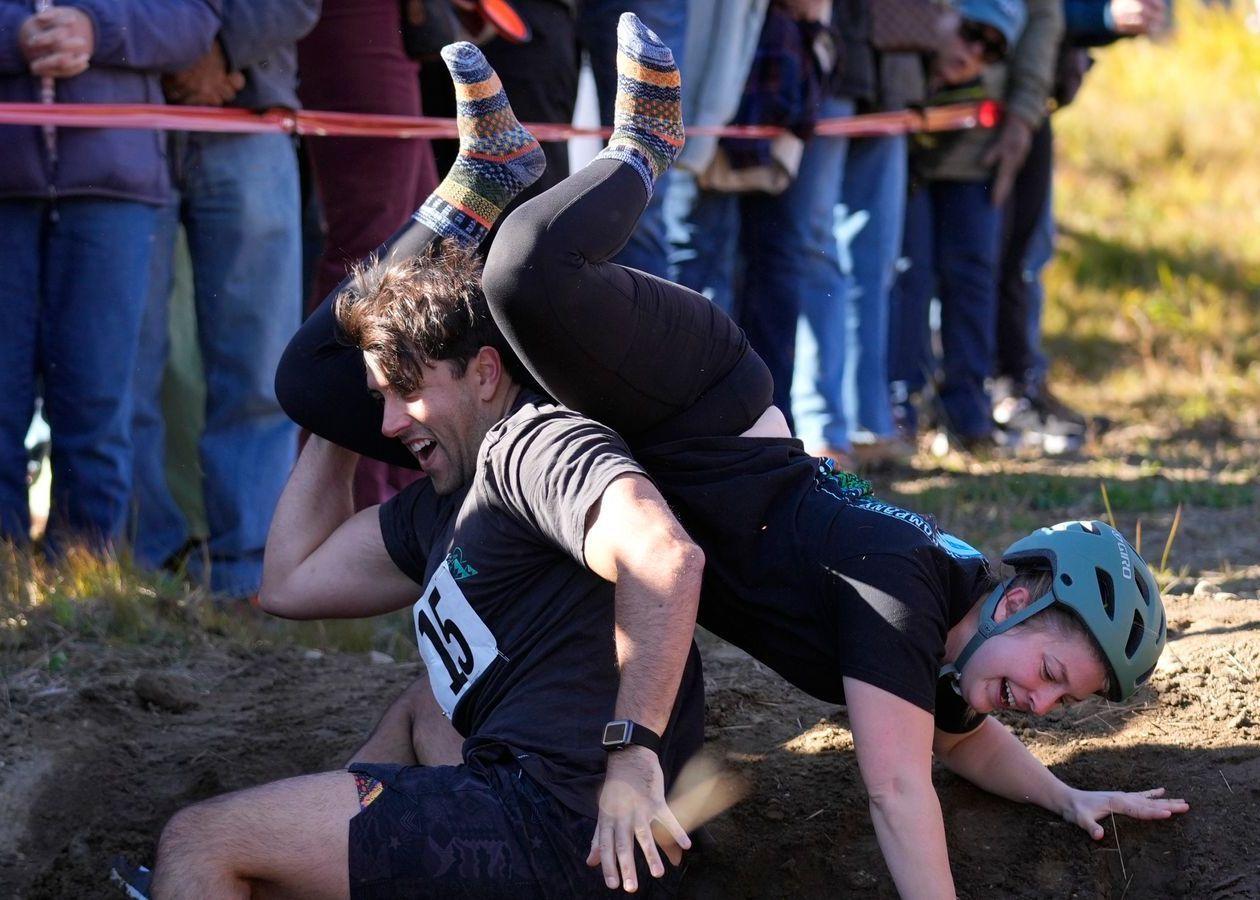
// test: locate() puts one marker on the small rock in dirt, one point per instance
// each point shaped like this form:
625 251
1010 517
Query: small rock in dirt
313 654
170 691
1241 721
377 658
1205 588
1226 595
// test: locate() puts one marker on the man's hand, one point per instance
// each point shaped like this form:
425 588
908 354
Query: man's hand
57 42
1138 16
1085 808
632 809
1008 152
207 82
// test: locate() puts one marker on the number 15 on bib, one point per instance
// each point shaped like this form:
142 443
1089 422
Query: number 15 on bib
456 645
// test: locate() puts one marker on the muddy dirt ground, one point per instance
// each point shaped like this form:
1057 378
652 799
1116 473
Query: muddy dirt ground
92 763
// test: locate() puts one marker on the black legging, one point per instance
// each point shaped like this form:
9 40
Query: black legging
648 357
631 350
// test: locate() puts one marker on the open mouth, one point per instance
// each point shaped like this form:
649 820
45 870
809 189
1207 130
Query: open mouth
422 450
1008 694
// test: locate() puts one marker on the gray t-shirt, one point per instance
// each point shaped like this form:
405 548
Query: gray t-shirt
517 633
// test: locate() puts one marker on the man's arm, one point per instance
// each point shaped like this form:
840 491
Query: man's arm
994 759
634 541
893 741
322 559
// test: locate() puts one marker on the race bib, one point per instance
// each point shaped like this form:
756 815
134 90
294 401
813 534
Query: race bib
456 645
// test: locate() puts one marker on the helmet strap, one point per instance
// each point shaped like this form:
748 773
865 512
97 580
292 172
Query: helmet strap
989 626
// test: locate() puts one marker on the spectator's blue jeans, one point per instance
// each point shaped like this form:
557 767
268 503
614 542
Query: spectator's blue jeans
790 248
841 380
73 277
951 241
238 201
648 248
1036 258
703 231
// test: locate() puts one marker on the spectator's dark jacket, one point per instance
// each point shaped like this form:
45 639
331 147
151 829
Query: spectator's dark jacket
136 41
854 74
258 39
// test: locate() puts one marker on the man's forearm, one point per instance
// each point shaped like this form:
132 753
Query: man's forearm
316 500
656 607
911 837
994 759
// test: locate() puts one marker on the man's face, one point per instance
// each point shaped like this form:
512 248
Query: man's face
1030 668
438 423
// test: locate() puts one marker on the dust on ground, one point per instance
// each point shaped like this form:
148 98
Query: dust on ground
95 761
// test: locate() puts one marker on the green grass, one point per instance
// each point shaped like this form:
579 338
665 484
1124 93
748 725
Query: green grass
1154 297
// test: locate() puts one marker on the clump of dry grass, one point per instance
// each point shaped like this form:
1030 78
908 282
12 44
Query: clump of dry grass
89 596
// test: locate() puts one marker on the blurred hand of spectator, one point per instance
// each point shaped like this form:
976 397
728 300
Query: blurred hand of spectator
807 10
958 60
207 82
1008 153
1138 16
57 42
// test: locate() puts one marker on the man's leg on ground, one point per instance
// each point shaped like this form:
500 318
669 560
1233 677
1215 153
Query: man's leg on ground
288 838
412 731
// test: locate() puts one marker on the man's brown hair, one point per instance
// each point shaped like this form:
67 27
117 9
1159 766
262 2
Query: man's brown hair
413 312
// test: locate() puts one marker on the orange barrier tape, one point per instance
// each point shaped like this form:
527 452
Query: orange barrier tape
327 124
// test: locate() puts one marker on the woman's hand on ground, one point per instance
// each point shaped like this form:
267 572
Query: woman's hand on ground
1086 808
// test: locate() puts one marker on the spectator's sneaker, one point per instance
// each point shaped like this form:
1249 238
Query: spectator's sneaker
134 881
1037 419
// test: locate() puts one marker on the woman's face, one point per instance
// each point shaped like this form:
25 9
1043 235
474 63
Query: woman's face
1030 668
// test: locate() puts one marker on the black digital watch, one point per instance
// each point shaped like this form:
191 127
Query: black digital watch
621 733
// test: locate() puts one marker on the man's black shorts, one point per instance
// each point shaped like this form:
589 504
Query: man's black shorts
483 831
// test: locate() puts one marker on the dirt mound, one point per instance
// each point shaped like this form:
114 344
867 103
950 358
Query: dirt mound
94 764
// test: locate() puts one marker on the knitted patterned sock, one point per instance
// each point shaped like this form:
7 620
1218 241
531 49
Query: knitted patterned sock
647 122
497 158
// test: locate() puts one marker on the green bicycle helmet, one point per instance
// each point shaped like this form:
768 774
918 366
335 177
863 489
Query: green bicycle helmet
1103 581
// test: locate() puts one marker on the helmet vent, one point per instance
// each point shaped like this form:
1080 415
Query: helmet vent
1143 588
1107 591
1146 676
1163 627
1135 636
1066 579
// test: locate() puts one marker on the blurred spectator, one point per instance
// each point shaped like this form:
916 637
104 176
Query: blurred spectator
952 216
78 210
1023 403
703 229
648 248
742 200
353 61
840 387
237 198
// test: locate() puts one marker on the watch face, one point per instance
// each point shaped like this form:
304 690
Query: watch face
616 733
